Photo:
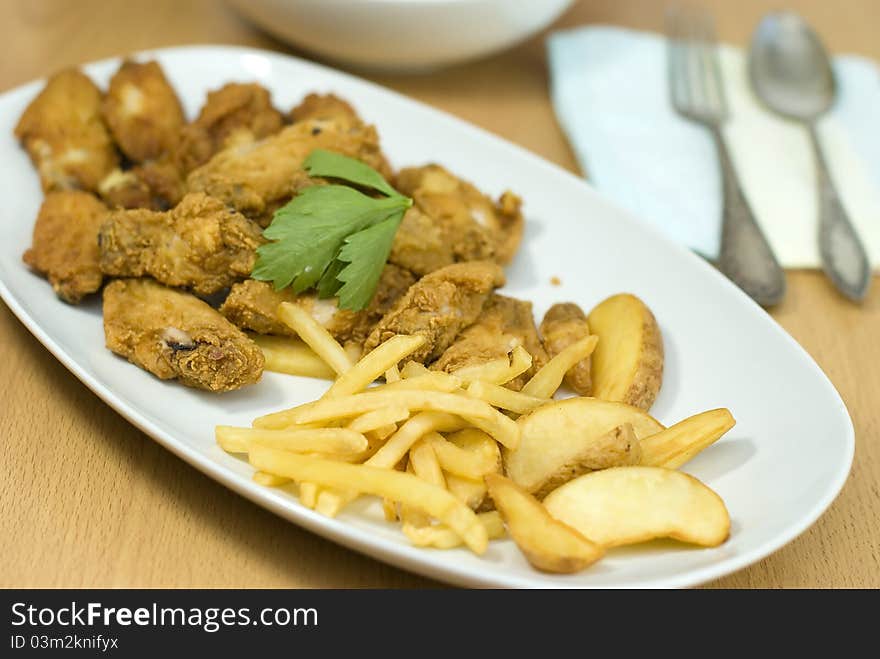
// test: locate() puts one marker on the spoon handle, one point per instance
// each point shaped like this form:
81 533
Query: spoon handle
843 256
745 256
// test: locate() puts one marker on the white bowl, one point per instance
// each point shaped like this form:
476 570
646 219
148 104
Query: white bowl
402 34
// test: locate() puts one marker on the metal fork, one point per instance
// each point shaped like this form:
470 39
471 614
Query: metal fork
697 93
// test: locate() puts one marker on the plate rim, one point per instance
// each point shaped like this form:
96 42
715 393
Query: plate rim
366 542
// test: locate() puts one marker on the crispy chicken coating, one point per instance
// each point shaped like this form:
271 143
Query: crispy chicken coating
474 225
200 244
64 134
234 115
253 305
65 243
142 111
504 323
439 306
421 244
563 324
255 178
156 185
323 106
173 334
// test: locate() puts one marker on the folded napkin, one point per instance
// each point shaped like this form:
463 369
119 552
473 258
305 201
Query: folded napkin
610 93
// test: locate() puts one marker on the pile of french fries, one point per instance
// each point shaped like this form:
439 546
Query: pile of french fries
435 447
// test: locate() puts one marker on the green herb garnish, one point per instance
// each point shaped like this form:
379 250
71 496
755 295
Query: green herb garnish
333 237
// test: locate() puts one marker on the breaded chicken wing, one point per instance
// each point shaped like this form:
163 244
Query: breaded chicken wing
234 115
439 306
323 106
253 305
173 334
155 185
200 244
421 244
475 226
142 111
65 243
504 323
256 178
564 324
65 136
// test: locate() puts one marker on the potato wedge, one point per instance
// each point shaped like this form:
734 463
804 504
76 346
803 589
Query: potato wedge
628 361
678 444
572 436
627 505
548 544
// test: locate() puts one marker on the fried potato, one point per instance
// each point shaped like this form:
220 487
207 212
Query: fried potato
412 369
430 381
379 419
472 491
331 441
627 505
563 324
409 433
455 460
498 371
506 399
548 544
392 374
316 336
628 361
373 364
566 438
678 444
398 486
546 381
266 479
291 356
442 537
469 491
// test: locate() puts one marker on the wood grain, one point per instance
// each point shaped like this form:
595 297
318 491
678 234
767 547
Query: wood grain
88 500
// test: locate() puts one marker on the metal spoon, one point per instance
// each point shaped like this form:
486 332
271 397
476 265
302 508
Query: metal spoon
791 73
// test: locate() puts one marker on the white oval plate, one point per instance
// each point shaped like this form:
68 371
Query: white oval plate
777 470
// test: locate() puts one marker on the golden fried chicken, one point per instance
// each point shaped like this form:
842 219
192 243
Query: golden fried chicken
504 323
421 245
255 178
234 115
65 243
253 305
173 334
475 226
323 106
142 111
564 324
156 185
200 244
439 306
64 134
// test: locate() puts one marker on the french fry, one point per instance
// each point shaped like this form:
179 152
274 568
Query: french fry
498 371
287 355
266 479
442 537
546 381
333 441
470 492
502 428
374 364
411 369
679 443
409 433
398 486
506 399
308 494
379 419
327 409
316 336
392 374
382 433
456 460
425 463
430 381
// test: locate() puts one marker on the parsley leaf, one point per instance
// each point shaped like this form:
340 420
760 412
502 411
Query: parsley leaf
333 237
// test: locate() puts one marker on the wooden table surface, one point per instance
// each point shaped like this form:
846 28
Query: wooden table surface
88 500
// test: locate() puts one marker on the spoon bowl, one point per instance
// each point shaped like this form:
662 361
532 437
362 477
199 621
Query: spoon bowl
790 69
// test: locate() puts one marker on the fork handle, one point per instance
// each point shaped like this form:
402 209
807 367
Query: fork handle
745 256
843 257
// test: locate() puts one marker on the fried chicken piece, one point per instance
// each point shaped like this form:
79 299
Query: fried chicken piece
234 115
421 245
439 306
254 178
253 305
156 185
173 334
200 244
564 324
65 243
475 226
504 323
142 111
323 106
64 134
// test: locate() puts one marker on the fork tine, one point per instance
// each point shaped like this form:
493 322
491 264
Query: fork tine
706 60
715 63
676 73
